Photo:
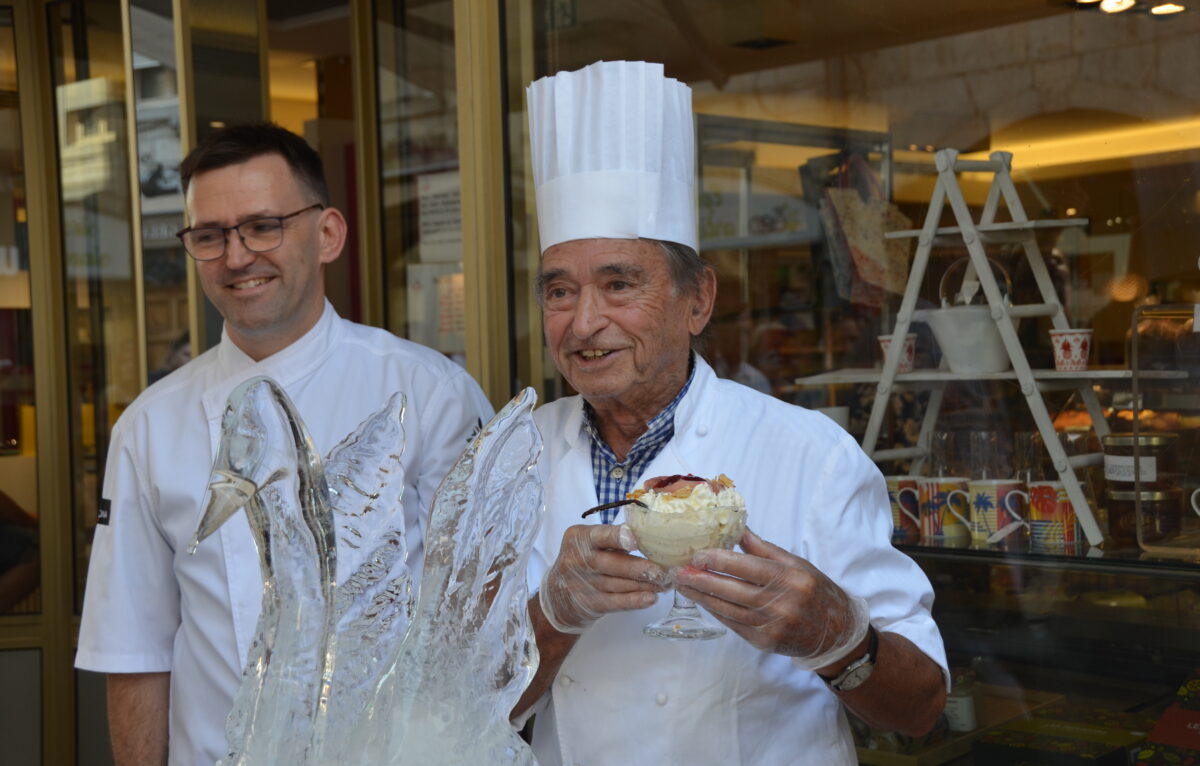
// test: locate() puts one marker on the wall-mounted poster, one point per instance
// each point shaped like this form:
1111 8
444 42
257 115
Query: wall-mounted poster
439 216
437 306
159 154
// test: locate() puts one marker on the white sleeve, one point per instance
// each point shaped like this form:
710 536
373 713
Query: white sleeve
131 603
853 548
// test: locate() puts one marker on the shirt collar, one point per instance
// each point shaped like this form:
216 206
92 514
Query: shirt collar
234 366
659 430
318 337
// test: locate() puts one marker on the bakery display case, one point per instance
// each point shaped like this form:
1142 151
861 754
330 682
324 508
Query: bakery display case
1052 495
1093 642
1153 473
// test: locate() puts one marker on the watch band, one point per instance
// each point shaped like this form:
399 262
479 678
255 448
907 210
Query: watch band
858 671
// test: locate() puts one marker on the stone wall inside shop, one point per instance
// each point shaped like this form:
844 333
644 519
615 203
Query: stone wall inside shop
958 90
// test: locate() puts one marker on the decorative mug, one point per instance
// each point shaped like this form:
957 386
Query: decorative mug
990 513
943 514
1052 520
905 501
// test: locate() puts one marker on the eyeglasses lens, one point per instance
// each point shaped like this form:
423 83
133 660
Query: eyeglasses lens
259 236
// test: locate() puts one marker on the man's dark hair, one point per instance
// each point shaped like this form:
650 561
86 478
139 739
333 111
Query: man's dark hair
236 144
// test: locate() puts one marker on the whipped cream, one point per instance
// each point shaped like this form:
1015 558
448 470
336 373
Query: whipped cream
701 500
671 529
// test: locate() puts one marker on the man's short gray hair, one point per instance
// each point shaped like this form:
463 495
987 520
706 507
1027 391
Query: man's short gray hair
687 267
687 274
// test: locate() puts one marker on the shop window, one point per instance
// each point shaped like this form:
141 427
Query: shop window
814 125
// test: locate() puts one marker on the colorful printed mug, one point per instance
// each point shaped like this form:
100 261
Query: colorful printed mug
1053 523
943 511
989 511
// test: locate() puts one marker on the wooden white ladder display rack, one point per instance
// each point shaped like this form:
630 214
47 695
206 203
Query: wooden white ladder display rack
974 236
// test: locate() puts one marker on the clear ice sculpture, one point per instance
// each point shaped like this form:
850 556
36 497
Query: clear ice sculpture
349 666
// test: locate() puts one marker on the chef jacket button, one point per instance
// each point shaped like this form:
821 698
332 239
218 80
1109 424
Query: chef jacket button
617 472
565 681
660 699
702 431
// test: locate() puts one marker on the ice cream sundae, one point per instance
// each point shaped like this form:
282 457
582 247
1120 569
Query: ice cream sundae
675 516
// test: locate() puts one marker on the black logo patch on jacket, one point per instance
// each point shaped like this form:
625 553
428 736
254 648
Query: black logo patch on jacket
104 511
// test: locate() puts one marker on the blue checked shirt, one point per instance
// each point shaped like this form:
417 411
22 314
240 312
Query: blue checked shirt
614 479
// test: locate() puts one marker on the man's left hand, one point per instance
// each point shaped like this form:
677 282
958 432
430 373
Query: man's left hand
778 602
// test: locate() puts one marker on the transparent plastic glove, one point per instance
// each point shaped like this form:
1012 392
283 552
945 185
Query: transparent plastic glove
594 575
778 602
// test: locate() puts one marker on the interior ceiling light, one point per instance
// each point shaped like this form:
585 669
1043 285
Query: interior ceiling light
1086 2
1116 6
1165 9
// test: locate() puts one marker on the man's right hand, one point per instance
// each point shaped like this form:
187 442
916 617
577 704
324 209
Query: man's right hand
594 574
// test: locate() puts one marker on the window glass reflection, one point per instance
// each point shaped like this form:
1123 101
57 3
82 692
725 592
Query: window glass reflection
19 550
102 334
164 264
420 192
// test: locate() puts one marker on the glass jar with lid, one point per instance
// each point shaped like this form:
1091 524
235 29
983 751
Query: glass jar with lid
1157 462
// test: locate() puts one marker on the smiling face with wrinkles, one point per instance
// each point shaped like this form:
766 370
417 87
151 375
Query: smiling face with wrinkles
269 300
618 330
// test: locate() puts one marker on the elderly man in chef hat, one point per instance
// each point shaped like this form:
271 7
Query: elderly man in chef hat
821 610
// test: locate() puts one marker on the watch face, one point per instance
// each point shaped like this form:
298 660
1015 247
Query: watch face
856 677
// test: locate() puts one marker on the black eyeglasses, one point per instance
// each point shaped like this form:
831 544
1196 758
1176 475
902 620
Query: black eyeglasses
259 235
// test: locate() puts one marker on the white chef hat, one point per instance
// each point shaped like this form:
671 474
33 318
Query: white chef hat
613 154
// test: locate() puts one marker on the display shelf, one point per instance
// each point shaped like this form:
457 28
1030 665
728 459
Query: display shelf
995 706
1006 231
973 234
1092 559
873 375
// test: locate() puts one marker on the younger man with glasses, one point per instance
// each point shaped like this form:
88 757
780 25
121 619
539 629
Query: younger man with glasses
172 630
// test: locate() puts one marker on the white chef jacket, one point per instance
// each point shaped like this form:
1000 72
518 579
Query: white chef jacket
151 607
622 697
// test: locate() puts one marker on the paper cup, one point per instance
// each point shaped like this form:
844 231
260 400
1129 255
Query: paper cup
906 353
1071 349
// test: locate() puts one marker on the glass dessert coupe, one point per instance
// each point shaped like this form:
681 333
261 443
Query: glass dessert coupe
670 539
